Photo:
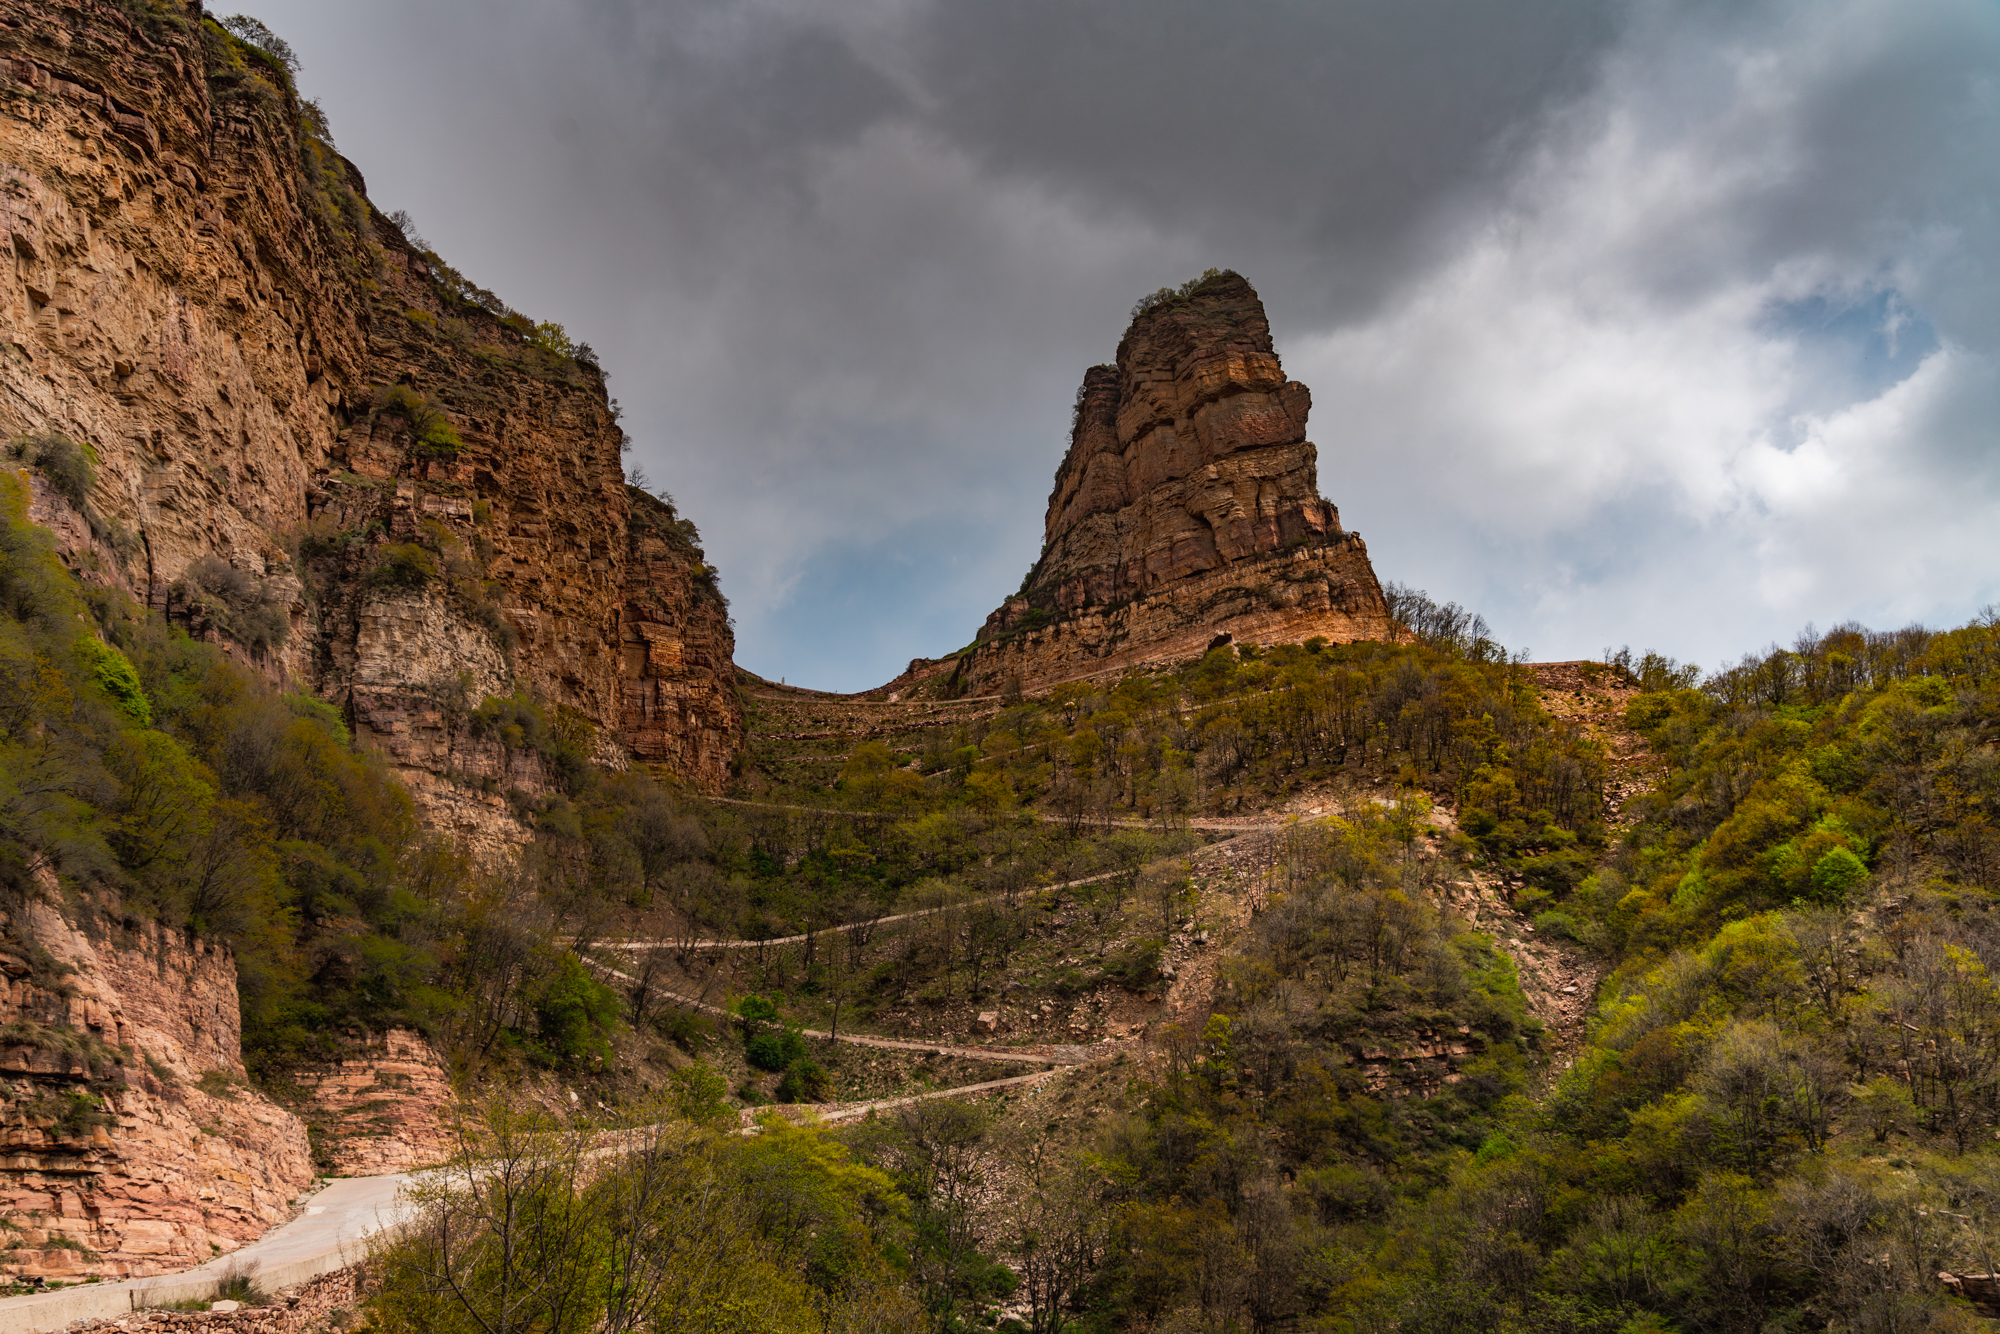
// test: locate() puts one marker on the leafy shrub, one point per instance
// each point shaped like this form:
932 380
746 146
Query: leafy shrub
774 1049
265 42
708 586
403 565
320 713
573 1013
696 1093
1072 982
687 1029
805 1081
1343 1192
1136 968
756 1011
70 468
515 720
240 1285
432 436
1168 296
331 189
244 607
82 1112
1558 924
115 675
1836 874
552 338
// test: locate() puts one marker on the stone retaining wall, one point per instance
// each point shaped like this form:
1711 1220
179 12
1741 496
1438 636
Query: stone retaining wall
293 1311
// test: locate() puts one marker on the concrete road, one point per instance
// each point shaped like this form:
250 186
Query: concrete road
331 1234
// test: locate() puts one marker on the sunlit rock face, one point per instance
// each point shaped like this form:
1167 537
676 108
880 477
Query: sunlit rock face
131 1141
1187 509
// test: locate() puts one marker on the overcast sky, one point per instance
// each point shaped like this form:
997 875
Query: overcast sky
1675 324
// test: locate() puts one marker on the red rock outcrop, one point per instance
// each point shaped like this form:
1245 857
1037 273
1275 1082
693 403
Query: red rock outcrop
419 491
385 1108
677 647
201 294
1186 509
130 1140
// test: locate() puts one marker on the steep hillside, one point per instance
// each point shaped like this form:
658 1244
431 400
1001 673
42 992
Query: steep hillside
1406 987
302 435
357 599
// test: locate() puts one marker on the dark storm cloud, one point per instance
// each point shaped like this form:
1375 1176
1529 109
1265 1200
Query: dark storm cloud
1327 136
1616 314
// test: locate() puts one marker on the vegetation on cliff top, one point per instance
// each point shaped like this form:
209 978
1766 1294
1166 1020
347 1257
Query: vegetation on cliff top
1169 298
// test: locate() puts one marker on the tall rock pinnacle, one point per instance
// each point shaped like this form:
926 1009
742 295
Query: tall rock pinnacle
1187 508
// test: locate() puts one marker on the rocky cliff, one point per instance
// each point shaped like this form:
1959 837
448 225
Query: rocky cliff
1186 511
130 1140
262 409
386 1108
314 440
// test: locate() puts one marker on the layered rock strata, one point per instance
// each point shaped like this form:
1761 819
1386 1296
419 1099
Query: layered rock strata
385 1108
677 651
1186 512
130 1140
200 294
316 444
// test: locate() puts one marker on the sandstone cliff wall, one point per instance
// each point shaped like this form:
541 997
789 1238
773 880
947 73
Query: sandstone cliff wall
1186 510
200 293
678 651
385 1108
314 444
130 1143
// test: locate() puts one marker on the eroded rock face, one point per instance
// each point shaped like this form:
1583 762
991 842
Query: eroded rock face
677 650
386 1108
133 1144
198 291
1186 510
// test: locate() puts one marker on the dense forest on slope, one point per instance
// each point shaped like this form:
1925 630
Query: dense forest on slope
1784 1117
1785 1111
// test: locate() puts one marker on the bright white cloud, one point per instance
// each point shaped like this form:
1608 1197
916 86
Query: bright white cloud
1588 418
